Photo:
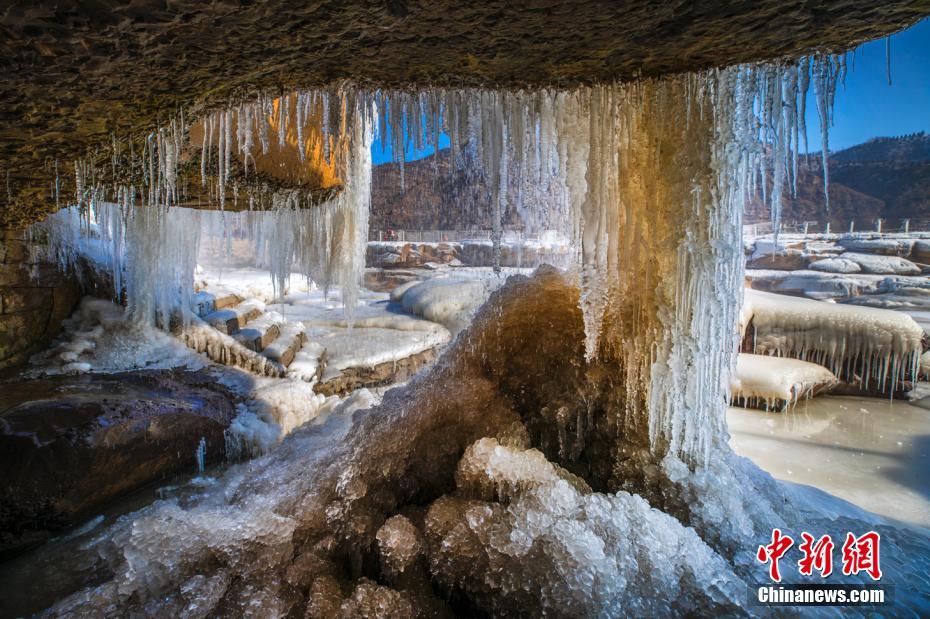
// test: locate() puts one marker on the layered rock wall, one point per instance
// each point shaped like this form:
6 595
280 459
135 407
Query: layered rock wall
35 297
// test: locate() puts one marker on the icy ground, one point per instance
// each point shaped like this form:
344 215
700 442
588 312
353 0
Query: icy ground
872 452
379 332
384 329
99 338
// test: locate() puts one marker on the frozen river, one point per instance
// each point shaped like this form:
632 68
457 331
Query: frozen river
872 452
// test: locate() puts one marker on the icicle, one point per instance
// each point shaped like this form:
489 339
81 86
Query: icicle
284 114
204 155
221 159
227 144
888 58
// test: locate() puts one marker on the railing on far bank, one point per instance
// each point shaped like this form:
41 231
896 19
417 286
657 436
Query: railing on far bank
857 225
510 235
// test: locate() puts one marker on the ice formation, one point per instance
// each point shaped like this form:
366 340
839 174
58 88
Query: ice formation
776 382
835 265
295 531
868 346
522 533
150 242
101 337
654 176
450 302
882 265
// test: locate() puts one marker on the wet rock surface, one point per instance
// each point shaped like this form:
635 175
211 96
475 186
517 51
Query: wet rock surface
70 444
76 74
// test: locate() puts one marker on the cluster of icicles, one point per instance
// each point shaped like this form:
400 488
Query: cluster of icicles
652 178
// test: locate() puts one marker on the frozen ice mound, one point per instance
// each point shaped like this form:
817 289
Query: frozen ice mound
372 601
100 336
882 265
450 302
490 471
399 544
553 546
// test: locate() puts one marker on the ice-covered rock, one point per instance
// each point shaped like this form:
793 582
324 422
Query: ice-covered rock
885 246
808 283
882 265
69 445
868 346
450 302
921 251
777 382
101 337
554 547
372 601
400 544
835 265
783 259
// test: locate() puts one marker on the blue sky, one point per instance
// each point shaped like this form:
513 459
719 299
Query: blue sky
866 106
382 155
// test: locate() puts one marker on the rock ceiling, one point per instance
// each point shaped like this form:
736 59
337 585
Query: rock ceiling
75 73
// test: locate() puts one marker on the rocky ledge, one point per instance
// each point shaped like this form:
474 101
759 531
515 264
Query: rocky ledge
71 444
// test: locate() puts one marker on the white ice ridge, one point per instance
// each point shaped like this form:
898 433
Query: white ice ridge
871 346
776 381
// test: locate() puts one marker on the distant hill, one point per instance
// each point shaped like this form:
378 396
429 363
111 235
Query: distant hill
449 193
437 193
913 148
883 177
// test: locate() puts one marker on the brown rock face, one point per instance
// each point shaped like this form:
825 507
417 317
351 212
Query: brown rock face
34 299
69 445
77 73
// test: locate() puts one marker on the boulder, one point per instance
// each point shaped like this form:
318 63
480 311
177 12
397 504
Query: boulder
881 246
882 265
780 260
71 444
835 265
921 251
